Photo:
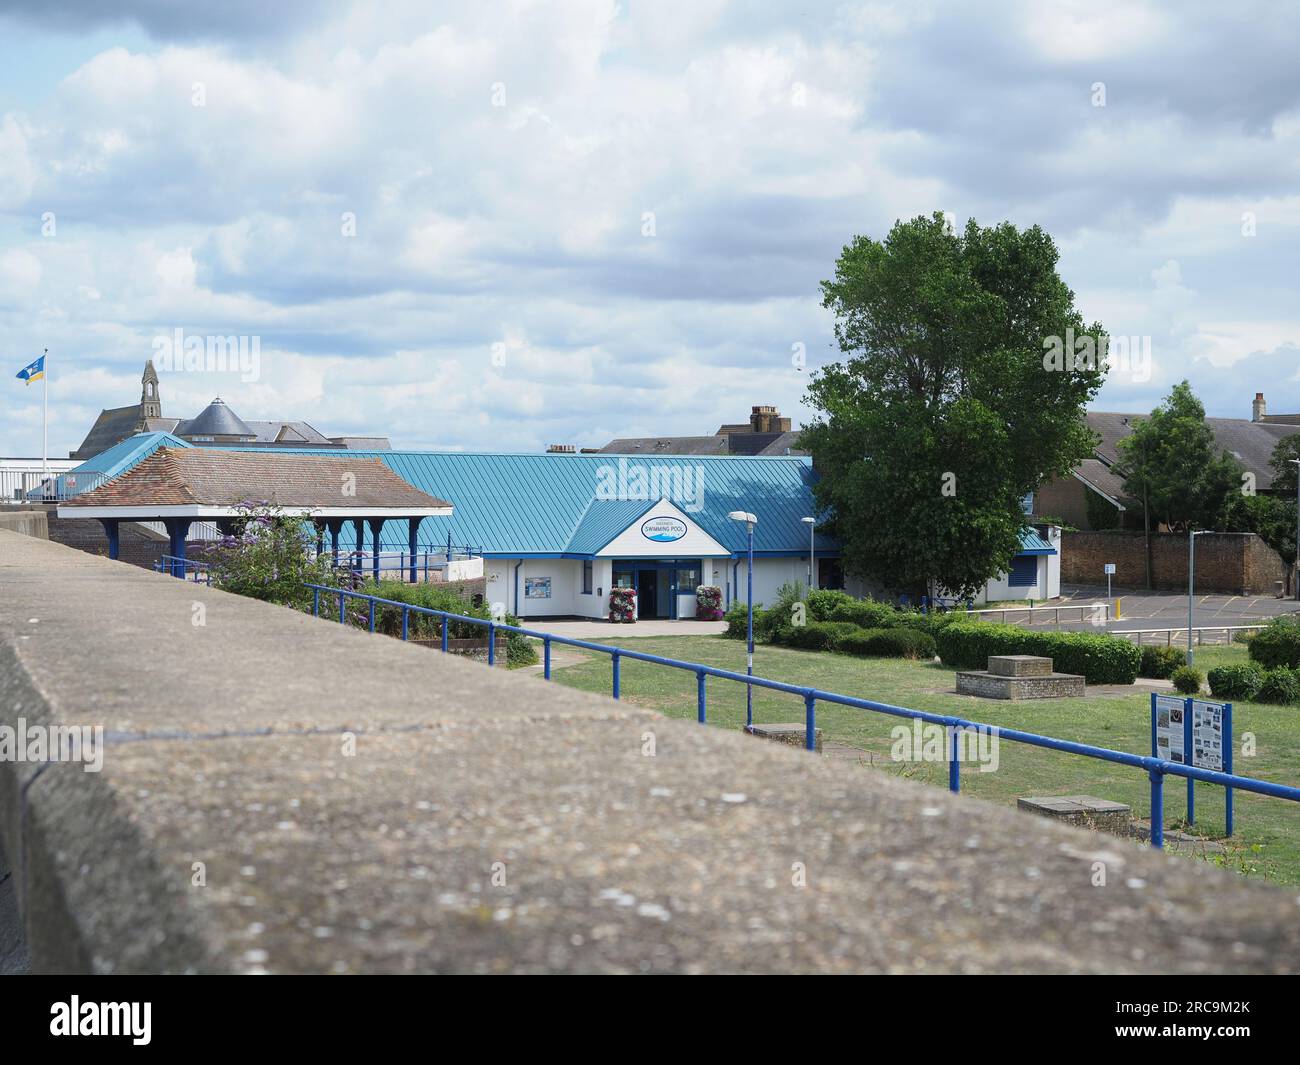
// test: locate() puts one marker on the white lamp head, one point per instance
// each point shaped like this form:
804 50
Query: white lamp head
741 515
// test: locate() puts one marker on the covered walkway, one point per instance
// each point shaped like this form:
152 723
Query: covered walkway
178 487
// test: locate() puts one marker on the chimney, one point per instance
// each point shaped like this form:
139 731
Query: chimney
765 419
561 449
1258 411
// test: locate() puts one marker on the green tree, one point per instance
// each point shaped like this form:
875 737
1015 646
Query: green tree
1169 463
966 371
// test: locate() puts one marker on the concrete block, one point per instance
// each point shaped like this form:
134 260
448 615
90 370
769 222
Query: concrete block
1019 666
1086 811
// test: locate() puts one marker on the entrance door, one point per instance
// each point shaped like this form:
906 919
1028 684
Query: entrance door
647 593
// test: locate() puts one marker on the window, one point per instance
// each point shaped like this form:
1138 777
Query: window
587 567
688 580
830 574
624 578
1024 571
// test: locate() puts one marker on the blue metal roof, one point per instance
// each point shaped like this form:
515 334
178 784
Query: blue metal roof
509 505
126 453
1033 544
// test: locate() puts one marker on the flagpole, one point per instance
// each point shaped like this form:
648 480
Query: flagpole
45 424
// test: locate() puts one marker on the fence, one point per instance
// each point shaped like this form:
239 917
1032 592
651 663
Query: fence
1097 613
1181 634
187 568
36 486
1156 768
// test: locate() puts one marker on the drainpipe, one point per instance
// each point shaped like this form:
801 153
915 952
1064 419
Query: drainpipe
735 566
519 612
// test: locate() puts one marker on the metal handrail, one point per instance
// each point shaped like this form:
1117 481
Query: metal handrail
1156 768
176 566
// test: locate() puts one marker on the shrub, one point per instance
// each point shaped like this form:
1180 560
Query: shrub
1280 686
1278 644
737 620
781 613
1187 680
1099 658
708 603
1160 662
888 643
1236 682
822 603
622 605
816 636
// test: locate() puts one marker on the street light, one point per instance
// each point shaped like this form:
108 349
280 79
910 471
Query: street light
812 566
1191 580
750 521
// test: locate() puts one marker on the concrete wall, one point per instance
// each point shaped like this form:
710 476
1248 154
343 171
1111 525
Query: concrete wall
1232 563
26 522
283 794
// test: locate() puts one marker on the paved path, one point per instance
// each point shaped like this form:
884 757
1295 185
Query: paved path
604 630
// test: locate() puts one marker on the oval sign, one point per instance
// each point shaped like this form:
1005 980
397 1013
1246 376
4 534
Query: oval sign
663 530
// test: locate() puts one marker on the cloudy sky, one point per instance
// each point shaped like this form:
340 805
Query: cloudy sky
498 225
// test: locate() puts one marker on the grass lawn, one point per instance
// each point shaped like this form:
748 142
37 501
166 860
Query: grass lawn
1267 830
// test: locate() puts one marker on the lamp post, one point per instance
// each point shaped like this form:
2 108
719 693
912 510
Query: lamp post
812 565
750 521
1191 582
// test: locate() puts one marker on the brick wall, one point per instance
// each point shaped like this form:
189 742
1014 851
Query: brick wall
136 544
1232 563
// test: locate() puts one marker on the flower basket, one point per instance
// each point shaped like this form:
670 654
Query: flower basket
708 603
622 605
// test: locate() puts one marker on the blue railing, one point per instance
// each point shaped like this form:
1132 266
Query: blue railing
1156 768
199 572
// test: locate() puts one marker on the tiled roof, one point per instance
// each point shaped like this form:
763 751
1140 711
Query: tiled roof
218 477
667 445
1250 443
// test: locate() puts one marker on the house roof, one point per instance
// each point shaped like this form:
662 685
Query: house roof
110 427
737 441
209 477
1250 443
290 432
1102 479
1033 544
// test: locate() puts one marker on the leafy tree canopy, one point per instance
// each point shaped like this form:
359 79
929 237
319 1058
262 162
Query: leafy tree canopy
952 402
1169 462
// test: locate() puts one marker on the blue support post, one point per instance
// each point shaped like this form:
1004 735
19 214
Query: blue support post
954 765
546 658
406 622
492 644
444 633
376 524
810 722
335 526
1227 765
343 613
1157 808
315 602
372 615
1187 753
614 659
414 530
110 530
700 705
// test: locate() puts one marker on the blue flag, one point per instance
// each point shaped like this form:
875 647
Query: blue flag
34 372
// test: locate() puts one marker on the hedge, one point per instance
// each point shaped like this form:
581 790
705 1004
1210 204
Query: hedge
888 643
1160 662
1236 682
816 635
1278 644
1100 659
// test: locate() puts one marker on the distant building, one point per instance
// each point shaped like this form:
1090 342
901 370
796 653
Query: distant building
1098 478
766 433
216 424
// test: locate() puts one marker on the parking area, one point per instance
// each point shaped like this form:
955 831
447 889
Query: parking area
1144 609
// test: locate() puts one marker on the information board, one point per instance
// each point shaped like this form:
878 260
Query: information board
1170 728
1195 732
1207 734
